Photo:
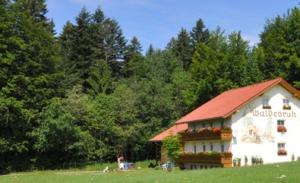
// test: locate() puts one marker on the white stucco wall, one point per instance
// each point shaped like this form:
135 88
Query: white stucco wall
265 143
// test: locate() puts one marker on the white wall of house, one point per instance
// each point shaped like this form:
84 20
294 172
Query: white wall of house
254 129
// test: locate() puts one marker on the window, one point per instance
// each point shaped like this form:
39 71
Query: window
266 104
211 124
281 149
280 126
204 148
286 104
195 148
203 125
281 145
222 147
280 122
211 147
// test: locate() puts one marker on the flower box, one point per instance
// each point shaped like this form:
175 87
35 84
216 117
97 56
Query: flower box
281 128
282 152
266 107
286 107
206 158
210 133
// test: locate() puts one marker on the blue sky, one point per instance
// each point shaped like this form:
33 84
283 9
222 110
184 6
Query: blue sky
156 21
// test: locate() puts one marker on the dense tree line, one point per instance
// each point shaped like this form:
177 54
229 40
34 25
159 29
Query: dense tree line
89 94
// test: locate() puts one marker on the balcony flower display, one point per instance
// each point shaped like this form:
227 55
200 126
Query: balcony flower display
266 107
281 128
282 152
208 133
206 157
286 107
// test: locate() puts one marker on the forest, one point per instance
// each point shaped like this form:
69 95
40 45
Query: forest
89 93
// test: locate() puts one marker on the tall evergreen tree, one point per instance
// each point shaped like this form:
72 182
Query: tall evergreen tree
132 54
183 48
199 33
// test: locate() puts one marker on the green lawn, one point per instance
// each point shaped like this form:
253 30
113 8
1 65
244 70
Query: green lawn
290 173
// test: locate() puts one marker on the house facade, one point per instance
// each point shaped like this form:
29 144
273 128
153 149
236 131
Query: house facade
255 124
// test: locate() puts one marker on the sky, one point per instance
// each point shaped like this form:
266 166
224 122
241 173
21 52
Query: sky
156 21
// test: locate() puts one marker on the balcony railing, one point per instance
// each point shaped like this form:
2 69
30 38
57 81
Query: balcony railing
213 158
215 133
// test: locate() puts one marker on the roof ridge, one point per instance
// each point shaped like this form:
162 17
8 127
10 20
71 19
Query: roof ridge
254 84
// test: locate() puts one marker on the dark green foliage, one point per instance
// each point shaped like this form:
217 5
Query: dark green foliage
280 45
94 37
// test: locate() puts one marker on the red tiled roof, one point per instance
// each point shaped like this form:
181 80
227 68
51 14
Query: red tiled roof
229 101
169 132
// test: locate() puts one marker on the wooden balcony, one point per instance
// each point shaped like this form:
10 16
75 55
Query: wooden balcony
224 134
207 158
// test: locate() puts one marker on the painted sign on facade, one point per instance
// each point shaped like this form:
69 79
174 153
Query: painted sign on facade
275 114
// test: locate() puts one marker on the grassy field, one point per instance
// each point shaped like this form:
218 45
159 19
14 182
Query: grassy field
277 173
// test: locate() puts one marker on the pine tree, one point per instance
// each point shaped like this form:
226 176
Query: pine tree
133 53
183 48
114 45
150 51
199 33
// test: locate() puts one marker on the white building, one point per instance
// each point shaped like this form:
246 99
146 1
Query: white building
255 124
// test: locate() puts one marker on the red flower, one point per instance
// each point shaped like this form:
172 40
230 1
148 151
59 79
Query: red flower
282 152
281 128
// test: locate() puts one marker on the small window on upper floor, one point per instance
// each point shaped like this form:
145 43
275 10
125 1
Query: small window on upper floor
281 145
266 104
286 104
204 148
195 148
203 125
280 126
211 124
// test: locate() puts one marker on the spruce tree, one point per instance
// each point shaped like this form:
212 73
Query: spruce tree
199 33
183 48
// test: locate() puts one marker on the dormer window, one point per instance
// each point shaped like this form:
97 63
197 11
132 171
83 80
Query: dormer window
286 104
266 104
